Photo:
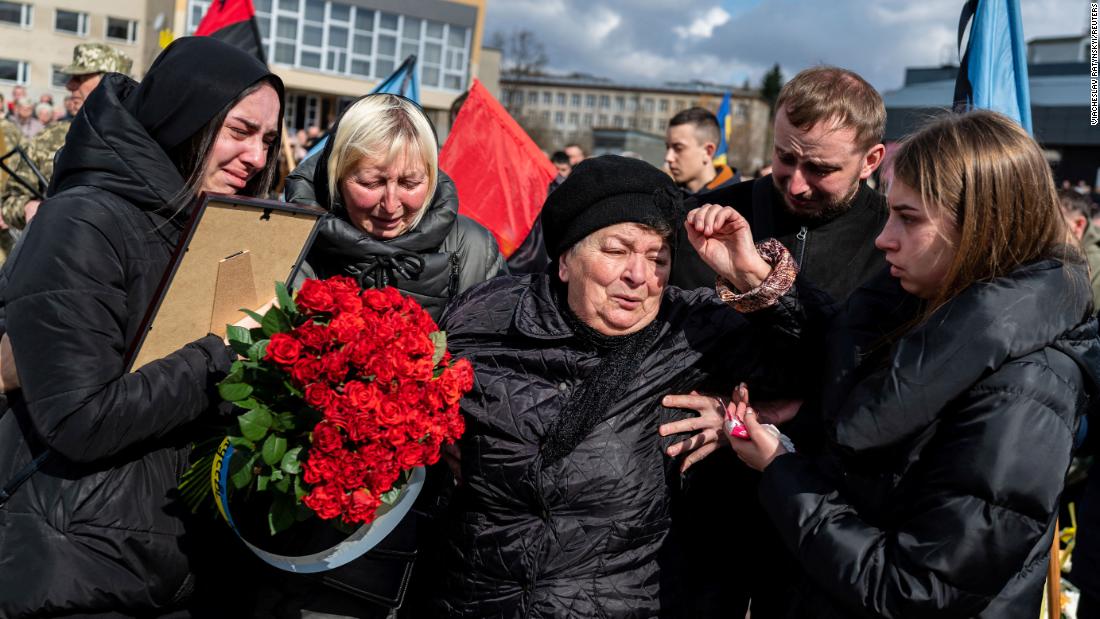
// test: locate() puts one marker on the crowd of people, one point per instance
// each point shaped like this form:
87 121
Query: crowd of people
695 395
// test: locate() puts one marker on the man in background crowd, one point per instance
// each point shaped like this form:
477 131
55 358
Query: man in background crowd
1076 209
90 61
691 140
575 153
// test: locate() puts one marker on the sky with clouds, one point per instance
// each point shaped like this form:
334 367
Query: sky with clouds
729 41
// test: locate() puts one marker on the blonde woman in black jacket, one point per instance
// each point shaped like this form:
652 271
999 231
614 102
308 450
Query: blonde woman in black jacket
948 432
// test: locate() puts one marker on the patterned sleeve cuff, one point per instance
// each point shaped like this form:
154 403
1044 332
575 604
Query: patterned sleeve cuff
784 270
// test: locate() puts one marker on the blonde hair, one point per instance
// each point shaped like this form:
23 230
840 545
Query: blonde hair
987 177
383 127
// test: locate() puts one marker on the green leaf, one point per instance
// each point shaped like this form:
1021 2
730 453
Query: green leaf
283 422
258 318
439 338
249 403
275 322
239 442
283 485
290 463
239 338
257 334
258 350
273 449
236 373
261 482
281 515
241 474
276 475
234 392
389 498
255 424
285 300
300 490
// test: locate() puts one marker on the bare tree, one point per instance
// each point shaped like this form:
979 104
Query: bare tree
521 51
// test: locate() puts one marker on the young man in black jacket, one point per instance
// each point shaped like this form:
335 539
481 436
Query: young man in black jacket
828 132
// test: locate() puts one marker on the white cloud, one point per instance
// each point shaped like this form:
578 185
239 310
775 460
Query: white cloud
704 25
603 23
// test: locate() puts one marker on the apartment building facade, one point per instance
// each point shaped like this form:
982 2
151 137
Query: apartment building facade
558 110
37 37
330 52
327 52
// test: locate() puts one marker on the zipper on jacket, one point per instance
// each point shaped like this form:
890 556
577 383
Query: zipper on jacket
802 234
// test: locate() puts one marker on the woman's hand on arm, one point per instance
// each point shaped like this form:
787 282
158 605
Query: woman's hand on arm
723 239
707 426
762 445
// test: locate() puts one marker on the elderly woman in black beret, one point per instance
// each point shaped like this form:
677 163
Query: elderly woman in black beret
566 488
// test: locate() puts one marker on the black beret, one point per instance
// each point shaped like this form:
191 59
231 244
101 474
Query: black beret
604 191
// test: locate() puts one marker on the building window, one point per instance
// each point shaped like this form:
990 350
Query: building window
532 97
605 102
16 14
647 105
590 101
647 123
13 71
741 111
603 120
123 30
574 118
559 118
619 122
587 120
547 97
561 99
57 78
662 105
545 116
681 105
620 104
345 39
575 101
632 104
662 124
71 22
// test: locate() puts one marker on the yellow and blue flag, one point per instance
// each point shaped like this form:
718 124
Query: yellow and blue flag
993 69
725 125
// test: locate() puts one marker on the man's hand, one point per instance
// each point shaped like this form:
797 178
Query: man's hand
708 426
9 378
30 209
723 240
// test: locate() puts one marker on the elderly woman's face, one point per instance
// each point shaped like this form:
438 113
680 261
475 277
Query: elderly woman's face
384 200
615 277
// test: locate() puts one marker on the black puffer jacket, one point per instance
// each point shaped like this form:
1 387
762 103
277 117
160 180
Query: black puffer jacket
457 252
95 530
939 489
580 537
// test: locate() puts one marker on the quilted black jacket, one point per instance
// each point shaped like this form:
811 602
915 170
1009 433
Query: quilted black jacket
946 454
95 531
581 537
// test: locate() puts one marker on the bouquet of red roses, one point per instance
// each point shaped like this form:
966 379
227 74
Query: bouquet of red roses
345 391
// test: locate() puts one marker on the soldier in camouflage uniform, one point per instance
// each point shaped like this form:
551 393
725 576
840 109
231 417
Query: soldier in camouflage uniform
90 62
10 137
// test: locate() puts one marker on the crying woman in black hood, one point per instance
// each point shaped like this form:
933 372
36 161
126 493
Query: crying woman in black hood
94 529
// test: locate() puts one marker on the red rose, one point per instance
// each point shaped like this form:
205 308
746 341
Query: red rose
347 327
314 296
327 437
327 500
313 336
319 468
376 300
362 396
319 396
283 349
306 370
361 507
390 413
348 302
410 455
342 283
336 365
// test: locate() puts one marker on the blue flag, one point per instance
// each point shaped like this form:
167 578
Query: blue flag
993 69
725 126
402 82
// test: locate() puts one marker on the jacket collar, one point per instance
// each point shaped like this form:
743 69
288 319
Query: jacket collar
537 314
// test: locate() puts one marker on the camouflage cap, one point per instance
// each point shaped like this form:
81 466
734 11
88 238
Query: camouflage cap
97 58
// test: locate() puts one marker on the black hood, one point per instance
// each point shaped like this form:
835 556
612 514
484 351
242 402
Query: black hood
108 148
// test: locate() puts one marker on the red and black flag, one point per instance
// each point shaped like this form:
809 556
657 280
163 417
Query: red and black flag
234 22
